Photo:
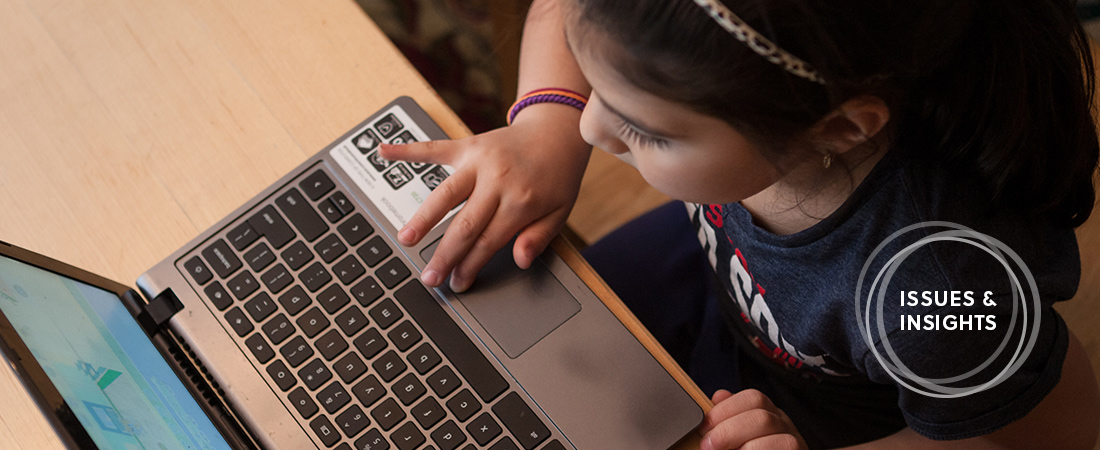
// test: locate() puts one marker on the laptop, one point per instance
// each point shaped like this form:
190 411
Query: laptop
297 322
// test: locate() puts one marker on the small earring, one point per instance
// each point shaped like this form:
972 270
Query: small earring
828 160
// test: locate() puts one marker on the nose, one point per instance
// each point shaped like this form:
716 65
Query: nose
595 129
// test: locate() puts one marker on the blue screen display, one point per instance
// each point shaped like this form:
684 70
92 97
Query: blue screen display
114 380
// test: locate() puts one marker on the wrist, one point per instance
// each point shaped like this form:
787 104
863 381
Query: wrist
556 123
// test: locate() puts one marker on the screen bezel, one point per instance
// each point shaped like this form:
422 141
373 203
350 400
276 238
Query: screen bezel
43 391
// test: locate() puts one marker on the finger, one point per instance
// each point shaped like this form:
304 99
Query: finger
495 236
734 404
461 234
534 239
773 442
720 395
433 152
452 191
736 431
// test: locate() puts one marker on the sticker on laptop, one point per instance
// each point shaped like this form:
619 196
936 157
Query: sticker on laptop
396 188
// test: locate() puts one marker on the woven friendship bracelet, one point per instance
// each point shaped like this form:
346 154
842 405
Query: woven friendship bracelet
548 95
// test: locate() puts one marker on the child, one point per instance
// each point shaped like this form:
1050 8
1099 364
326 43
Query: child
814 140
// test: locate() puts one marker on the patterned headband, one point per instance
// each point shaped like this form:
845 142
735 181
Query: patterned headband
757 42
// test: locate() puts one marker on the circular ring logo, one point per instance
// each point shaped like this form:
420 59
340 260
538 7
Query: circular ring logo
876 295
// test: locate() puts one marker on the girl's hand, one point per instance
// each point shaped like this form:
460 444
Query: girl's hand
522 179
747 420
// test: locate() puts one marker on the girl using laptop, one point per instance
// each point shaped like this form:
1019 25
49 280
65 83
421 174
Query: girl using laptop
815 145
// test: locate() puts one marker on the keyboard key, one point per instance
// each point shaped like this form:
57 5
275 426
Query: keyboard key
259 348
198 270
370 343
330 248
260 307
407 436
484 429
355 229
301 214
368 391
341 201
243 285
505 444
554 445
448 436
444 381
312 322
348 269
393 272
424 358
269 224
333 298
277 279
324 430
428 413
408 389
297 255
351 321
331 345
238 321
404 336
521 421
303 403
352 421
366 141
217 295
221 258
295 300
387 414
333 397
242 236
316 185
331 211
451 341
367 291
350 367
315 277
296 351
259 257
373 440
464 405
388 126
389 366
386 313
314 374
282 375
374 251
278 329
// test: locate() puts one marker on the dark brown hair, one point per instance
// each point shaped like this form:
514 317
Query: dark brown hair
996 90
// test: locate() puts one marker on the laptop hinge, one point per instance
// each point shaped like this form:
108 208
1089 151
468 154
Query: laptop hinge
159 310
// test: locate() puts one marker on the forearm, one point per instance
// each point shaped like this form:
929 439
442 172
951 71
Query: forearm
545 59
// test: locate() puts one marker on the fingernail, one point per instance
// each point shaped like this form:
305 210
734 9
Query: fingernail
458 284
406 236
706 444
431 278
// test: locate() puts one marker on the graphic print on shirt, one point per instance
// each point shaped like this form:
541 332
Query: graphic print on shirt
727 260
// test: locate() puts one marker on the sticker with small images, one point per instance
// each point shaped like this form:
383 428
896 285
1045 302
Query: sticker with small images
397 189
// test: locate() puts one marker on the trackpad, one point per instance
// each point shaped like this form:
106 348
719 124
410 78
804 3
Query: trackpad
517 307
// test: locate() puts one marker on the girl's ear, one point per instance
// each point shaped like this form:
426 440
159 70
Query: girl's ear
852 123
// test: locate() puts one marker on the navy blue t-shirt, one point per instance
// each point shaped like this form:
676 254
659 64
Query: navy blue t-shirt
946 310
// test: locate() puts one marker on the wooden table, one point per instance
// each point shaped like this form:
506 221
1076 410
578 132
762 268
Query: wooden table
128 126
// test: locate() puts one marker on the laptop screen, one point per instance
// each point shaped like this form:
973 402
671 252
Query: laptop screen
109 373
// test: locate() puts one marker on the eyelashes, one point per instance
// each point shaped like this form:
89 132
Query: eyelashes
640 138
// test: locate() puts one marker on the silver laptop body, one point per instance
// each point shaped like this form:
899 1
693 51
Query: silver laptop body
560 371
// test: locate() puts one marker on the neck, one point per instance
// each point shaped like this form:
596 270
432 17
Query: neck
811 192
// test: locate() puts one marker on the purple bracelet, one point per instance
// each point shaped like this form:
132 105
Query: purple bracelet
549 95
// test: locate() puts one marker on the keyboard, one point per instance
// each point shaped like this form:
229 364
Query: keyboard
361 352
